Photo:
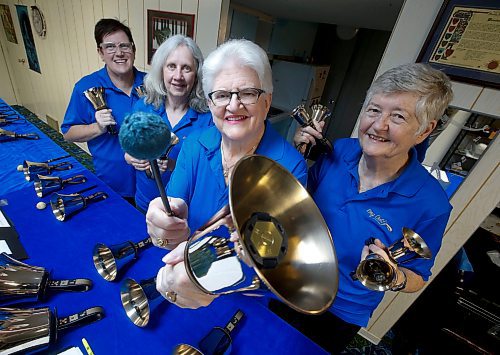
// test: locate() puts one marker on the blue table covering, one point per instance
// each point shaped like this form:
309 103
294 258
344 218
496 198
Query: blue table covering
65 248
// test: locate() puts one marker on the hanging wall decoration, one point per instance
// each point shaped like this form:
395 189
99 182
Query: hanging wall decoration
162 25
29 42
8 25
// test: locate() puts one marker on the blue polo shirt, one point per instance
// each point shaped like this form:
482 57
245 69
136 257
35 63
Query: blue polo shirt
107 154
414 200
198 176
146 189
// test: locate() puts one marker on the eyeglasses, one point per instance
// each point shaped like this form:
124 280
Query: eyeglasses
110 47
246 96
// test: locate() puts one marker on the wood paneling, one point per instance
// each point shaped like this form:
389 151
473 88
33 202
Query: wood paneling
68 52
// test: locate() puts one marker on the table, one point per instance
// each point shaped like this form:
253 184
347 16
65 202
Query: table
66 249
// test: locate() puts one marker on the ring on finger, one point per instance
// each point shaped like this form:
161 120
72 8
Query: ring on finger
171 296
161 242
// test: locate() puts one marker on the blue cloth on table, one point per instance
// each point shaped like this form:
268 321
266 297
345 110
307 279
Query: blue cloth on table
107 154
146 189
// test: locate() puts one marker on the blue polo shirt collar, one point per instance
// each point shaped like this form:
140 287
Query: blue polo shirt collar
407 184
108 84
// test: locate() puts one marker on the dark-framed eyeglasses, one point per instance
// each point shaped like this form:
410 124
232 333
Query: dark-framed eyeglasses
246 96
111 47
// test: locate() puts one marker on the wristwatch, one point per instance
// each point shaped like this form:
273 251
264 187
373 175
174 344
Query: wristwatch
401 285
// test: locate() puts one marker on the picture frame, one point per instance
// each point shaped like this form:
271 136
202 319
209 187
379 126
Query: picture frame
163 24
464 42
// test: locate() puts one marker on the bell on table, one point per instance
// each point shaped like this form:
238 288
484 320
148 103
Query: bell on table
45 185
96 97
20 282
108 261
25 330
285 246
139 299
377 274
31 168
65 205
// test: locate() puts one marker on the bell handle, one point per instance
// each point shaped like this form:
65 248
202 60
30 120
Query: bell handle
58 158
60 166
77 179
95 197
143 244
74 285
85 317
30 136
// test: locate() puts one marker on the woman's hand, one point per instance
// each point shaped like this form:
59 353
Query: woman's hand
138 164
104 118
174 284
162 165
166 231
378 248
305 135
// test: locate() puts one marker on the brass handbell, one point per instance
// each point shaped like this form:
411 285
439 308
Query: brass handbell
45 185
31 168
109 260
377 274
319 114
65 205
284 245
171 162
140 90
23 331
140 299
10 135
96 96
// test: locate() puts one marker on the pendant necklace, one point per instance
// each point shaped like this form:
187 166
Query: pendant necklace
227 168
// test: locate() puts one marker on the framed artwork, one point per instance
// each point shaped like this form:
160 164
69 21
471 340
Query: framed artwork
162 25
8 25
29 42
464 42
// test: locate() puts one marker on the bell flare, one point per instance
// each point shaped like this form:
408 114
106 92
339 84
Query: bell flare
139 299
306 278
108 261
417 243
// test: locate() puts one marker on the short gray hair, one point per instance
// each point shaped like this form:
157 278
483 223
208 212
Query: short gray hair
156 92
243 52
432 87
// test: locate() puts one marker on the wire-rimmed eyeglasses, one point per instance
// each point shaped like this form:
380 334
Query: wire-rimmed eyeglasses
111 47
246 96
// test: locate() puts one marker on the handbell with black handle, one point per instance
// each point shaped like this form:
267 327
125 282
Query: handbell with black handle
33 329
21 283
65 205
45 185
10 135
97 97
31 168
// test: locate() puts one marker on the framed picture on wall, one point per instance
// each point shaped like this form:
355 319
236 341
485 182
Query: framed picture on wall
162 25
464 42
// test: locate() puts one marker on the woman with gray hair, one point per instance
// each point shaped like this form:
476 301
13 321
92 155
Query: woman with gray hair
174 92
372 187
237 80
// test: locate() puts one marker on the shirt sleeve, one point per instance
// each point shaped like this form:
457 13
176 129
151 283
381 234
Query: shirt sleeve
78 111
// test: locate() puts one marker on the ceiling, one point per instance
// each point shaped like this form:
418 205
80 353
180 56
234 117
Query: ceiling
373 14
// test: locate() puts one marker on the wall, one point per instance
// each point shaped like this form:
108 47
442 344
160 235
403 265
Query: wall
68 51
477 195
6 89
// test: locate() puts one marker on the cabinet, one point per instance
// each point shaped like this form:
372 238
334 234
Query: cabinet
470 144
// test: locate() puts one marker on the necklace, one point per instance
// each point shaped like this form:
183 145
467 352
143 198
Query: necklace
226 168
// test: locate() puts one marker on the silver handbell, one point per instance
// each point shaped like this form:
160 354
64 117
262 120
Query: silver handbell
45 185
301 115
20 282
65 205
31 168
319 113
108 261
11 135
377 274
140 299
26 330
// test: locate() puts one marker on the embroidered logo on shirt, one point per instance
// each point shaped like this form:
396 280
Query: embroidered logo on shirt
379 219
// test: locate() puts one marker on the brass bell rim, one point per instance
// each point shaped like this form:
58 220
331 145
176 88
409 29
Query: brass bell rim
128 287
259 273
100 248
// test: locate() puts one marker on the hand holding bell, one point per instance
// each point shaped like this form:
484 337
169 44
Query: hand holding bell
96 96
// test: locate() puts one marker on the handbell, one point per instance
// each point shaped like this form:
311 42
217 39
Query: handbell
20 282
11 135
31 168
97 97
65 205
108 261
171 162
26 330
140 299
45 185
377 274
140 90
319 113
